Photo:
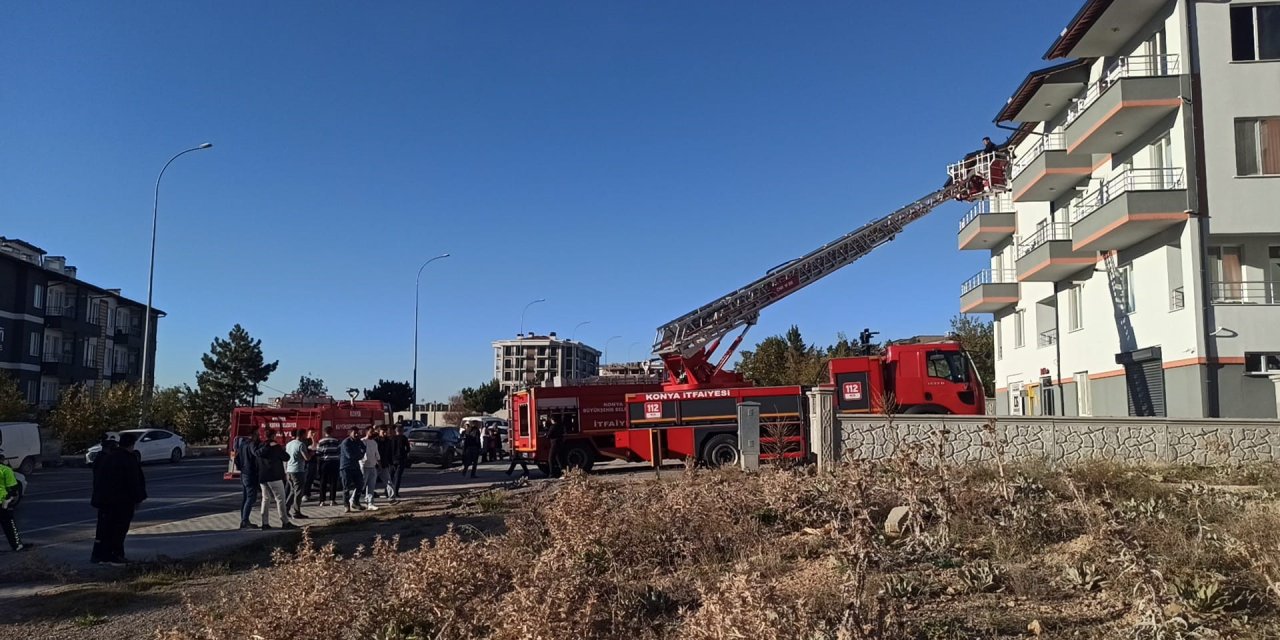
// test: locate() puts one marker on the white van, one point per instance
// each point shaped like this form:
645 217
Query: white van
21 444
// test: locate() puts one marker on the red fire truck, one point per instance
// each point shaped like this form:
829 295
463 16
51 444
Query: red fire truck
694 413
311 414
594 419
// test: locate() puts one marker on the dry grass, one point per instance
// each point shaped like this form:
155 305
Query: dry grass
1093 551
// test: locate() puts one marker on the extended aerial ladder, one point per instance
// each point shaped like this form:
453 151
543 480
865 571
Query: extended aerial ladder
688 343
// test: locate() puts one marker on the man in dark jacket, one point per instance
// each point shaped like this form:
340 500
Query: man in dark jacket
329 452
247 463
350 453
385 451
118 488
555 448
271 458
399 457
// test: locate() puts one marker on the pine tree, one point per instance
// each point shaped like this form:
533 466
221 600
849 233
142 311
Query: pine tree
397 394
308 386
233 369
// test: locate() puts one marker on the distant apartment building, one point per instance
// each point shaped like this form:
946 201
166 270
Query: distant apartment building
631 372
1135 261
532 360
57 330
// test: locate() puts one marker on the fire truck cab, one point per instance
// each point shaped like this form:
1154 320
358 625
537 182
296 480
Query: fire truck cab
932 378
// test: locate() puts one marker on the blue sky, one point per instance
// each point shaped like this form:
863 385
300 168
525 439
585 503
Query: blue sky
627 161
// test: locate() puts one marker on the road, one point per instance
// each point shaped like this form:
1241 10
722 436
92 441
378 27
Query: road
55 511
56 507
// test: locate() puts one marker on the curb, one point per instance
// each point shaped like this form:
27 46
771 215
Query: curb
77 462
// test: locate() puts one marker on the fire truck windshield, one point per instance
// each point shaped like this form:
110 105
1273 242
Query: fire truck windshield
950 365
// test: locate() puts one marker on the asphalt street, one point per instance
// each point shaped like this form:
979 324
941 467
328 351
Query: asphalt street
56 511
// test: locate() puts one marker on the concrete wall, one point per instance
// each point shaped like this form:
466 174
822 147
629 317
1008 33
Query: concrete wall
972 439
1245 396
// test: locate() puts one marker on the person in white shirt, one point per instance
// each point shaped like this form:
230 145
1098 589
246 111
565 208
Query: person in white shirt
370 465
296 472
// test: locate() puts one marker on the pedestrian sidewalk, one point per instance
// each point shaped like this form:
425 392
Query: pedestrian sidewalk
48 567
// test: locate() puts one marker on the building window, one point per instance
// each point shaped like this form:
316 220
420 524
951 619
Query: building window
1019 326
34 349
38 300
1084 400
1261 364
1255 33
1075 308
1226 275
506 376
1258 146
1125 297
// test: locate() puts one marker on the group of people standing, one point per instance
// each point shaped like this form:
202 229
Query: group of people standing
287 474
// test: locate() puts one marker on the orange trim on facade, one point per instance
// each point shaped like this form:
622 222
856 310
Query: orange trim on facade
1106 374
980 231
1052 261
1130 218
1003 300
1124 104
1082 171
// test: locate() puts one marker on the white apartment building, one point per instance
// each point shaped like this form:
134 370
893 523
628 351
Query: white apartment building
1135 259
533 361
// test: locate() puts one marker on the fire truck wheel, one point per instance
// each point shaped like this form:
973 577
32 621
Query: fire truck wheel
579 457
720 451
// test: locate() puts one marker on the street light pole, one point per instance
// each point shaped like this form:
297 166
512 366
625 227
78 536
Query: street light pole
574 334
526 308
630 350
606 347
413 405
151 275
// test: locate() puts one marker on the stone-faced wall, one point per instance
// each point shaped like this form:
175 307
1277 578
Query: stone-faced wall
974 438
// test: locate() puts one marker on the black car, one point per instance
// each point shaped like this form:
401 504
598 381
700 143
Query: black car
438 445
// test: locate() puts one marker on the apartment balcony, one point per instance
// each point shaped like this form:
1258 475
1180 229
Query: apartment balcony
1129 208
1047 171
120 374
1131 98
60 316
989 291
58 364
1263 292
1047 255
988 223
1048 338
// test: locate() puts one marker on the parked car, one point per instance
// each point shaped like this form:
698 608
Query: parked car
434 445
153 445
21 444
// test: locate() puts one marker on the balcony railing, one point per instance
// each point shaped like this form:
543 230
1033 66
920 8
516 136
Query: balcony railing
1048 338
61 310
1001 203
57 357
1047 233
1245 292
989 276
1128 180
1056 141
1127 67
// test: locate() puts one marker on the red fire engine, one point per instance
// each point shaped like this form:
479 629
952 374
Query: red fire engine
311 414
593 417
694 413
